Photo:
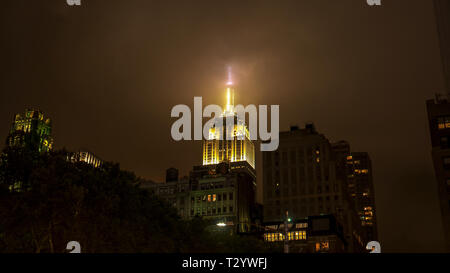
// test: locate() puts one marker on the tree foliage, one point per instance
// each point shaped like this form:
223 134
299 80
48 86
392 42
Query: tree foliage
46 201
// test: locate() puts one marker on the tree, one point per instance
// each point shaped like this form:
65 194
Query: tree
46 201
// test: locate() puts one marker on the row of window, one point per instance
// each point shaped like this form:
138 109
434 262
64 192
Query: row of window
295 175
292 236
302 190
212 210
310 152
207 186
443 122
212 197
361 171
308 200
278 213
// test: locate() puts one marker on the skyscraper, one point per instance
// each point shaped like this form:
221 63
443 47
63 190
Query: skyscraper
302 176
224 187
221 190
439 123
360 187
32 131
230 144
439 119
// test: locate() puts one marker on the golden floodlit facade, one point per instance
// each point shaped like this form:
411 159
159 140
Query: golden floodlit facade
229 143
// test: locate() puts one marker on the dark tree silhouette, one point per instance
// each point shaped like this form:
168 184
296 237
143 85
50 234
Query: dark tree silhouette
46 201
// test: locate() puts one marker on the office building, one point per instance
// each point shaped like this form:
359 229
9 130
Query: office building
231 144
439 125
302 177
439 115
356 168
222 189
31 130
360 187
86 157
175 192
314 234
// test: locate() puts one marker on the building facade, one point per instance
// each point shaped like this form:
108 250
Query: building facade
314 234
360 187
221 190
229 143
302 177
225 196
86 157
439 125
356 168
176 193
31 130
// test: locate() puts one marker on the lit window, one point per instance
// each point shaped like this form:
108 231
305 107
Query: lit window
322 246
214 198
443 123
290 236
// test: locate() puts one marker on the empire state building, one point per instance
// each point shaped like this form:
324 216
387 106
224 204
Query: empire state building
229 143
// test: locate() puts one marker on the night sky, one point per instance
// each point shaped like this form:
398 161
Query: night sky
109 72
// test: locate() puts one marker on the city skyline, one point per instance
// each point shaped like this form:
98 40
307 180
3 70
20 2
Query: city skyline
369 91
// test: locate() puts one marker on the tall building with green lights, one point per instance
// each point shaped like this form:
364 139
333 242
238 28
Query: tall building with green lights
31 130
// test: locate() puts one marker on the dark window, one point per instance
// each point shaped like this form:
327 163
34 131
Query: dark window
231 196
446 163
284 158
293 157
444 142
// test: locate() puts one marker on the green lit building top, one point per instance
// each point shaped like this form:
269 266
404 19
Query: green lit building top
31 130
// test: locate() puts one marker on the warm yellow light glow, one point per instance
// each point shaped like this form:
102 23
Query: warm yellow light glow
238 148
228 99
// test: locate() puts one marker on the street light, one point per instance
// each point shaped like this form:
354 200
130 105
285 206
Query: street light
286 230
221 224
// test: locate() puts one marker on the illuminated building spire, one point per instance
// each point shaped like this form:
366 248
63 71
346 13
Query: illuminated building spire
229 108
239 148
